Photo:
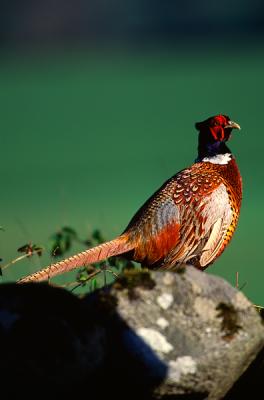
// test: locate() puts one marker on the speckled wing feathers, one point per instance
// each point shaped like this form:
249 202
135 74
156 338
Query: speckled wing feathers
155 228
189 218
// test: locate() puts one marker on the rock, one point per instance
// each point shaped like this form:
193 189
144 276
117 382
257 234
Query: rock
150 335
250 381
51 342
193 332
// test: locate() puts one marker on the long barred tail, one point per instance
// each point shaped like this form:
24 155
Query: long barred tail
117 246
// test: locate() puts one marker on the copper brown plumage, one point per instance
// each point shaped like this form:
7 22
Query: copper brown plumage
189 220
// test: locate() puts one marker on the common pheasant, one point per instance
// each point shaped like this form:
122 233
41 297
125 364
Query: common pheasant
189 220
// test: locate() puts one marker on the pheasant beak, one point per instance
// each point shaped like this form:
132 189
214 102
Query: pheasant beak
232 125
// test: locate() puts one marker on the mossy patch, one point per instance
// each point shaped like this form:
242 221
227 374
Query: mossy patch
260 310
132 279
179 268
107 301
230 325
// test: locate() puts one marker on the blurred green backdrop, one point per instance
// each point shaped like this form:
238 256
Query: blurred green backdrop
86 137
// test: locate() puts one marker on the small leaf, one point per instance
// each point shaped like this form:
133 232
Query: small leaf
57 236
30 249
89 269
98 265
56 250
94 284
128 265
24 248
67 243
69 231
87 242
97 236
38 250
82 277
113 261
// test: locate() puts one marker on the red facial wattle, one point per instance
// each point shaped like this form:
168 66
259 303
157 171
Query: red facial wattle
221 127
218 132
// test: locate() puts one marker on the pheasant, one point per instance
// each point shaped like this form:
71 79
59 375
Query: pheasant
189 220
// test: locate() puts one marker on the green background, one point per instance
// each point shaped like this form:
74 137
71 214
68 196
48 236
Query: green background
86 138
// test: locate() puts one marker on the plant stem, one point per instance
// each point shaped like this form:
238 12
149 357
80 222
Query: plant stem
18 259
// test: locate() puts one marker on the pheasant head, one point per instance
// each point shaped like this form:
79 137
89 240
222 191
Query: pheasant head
214 132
